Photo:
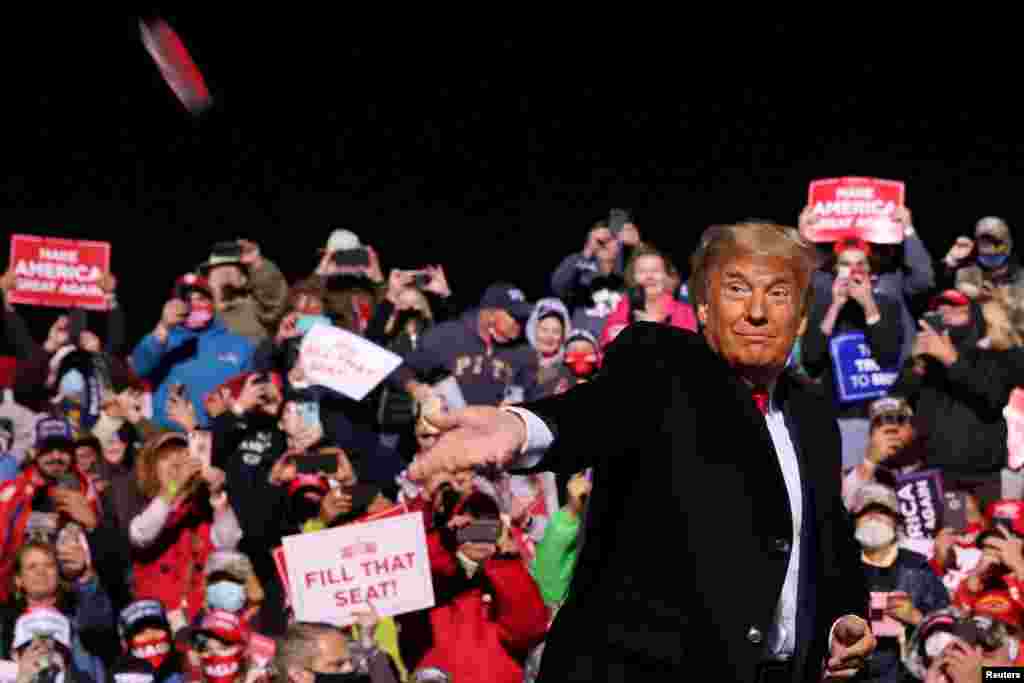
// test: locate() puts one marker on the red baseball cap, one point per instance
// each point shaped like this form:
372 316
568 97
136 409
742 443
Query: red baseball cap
188 282
1009 509
950 296
848 243
223 626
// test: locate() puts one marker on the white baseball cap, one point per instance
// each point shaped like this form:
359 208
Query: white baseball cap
342 240
42 622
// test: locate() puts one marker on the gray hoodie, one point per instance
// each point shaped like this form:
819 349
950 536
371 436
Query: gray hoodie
543 308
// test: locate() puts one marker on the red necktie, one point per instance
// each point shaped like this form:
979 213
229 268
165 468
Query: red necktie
761 399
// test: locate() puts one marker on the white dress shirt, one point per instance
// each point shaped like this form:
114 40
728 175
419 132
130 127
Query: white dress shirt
782 639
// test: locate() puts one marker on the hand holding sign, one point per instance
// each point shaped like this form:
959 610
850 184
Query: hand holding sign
860 207
939 346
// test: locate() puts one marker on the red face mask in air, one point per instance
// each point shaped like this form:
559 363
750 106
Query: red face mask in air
582 363
199 316
153 650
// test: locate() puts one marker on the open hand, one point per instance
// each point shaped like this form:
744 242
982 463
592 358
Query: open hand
474 437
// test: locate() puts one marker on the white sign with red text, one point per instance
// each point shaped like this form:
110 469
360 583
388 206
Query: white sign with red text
345 362
337 572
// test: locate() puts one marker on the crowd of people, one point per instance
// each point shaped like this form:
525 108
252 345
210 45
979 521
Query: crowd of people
147 483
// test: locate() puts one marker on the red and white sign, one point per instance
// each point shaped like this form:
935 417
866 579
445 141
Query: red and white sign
57 272
389 569
1014 414
345 362
855 207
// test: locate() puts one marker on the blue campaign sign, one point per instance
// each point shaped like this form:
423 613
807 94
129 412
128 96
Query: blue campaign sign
858 375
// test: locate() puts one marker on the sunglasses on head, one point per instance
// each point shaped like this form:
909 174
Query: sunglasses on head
891 419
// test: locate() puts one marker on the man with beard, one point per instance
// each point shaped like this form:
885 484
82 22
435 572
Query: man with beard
191 351
479 350
903 586
49 492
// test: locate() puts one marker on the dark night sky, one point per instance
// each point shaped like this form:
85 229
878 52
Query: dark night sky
492 155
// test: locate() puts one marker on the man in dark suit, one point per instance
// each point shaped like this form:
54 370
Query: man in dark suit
716 537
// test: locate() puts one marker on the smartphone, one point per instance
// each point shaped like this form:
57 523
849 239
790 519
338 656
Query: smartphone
881 624
934 320
954 511
351 257
480 531
309 411
200 447
326 463
617 219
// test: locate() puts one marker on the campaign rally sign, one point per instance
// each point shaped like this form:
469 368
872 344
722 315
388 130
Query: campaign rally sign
921 502
58 272
345 362
855 207
1014 414
858 375
336 572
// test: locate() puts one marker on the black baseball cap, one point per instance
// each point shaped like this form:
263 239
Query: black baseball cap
507 297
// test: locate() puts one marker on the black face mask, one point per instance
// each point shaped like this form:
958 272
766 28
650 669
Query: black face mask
353 677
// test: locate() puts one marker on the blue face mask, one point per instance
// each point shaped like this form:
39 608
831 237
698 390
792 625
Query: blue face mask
72 385
226 595
993 261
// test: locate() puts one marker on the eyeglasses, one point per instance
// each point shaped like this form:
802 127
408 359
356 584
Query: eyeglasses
891 419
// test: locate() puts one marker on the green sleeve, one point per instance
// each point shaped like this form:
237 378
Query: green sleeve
555 560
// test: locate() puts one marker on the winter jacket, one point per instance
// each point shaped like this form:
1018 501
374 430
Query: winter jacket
484 372
677 314
481 628
910 574
959 408
555 560
171 547
200 360
16 502
256 315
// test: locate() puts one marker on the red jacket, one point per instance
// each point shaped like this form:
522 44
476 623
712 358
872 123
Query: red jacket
16 506
171 570
481 629
679 315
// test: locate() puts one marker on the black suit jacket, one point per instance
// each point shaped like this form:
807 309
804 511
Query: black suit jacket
689 528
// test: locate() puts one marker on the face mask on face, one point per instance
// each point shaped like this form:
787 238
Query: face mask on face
221 668
199 315
226 595
72 385
992 261
154 650
874 533
582 364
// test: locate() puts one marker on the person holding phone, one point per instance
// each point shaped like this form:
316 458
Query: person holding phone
249 292
852 344
959 391
995 584
186 517
489 612
903 586
191 351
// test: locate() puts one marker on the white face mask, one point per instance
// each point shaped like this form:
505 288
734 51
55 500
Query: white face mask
874 533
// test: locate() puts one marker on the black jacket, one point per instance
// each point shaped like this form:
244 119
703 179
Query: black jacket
688 528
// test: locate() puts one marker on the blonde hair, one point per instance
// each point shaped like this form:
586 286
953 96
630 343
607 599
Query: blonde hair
640 252
720 243
155 450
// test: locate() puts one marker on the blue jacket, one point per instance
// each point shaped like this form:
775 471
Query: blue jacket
201 361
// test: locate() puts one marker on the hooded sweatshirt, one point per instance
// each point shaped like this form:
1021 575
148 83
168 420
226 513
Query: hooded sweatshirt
484 372
549 373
